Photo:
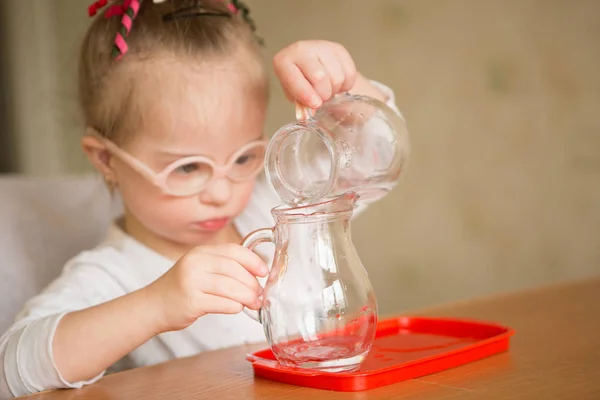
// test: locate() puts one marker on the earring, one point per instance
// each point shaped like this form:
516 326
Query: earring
110 183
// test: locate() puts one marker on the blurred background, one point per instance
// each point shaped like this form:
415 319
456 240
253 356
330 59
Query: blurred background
502 100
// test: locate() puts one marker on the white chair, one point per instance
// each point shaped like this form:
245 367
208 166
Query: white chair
43 223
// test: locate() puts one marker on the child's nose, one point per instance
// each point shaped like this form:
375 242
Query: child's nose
217 192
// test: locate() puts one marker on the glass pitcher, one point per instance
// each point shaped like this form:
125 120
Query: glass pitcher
351 143
318 308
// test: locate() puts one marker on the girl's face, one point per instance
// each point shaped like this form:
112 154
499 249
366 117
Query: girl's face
208 110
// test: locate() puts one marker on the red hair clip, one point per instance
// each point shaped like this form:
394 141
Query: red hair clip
232 8
129 10
93 9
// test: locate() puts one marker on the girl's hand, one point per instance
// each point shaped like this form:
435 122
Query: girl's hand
212 279
313 71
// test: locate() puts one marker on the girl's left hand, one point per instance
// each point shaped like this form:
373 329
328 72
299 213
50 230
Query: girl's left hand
313 71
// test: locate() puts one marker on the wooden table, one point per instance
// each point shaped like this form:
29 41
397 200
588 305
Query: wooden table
555 354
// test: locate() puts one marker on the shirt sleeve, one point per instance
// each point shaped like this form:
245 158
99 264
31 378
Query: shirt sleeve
26 361
390 97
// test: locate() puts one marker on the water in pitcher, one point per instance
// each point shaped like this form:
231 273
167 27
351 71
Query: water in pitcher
332 354
340 352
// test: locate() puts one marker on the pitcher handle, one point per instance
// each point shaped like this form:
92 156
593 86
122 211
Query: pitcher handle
303 113
265 235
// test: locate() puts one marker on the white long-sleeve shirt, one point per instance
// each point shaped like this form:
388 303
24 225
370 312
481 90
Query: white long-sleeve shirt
118 266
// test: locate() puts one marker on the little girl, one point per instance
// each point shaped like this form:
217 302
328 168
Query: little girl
175 110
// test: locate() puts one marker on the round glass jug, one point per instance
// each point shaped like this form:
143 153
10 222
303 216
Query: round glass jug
318 308
351 143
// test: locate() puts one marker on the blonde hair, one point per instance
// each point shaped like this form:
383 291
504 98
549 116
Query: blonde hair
180 29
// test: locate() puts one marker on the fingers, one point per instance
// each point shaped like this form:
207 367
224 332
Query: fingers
243 256
336 73
221 305
289 96
312 72
229 288
210 279
347 63
238 263
233 269
317 75
295 84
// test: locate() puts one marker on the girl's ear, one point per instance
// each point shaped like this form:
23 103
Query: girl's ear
98 154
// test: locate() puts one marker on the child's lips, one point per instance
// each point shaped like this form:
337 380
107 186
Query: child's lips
213 224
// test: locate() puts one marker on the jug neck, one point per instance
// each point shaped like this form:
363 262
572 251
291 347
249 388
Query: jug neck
338 208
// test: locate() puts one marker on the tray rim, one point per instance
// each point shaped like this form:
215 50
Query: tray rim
273 365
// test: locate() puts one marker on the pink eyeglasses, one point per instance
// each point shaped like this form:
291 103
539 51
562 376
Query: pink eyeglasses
190 175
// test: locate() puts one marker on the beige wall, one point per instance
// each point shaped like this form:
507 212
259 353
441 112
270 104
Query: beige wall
502 101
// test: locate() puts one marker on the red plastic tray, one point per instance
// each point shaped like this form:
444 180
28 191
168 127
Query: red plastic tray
404 348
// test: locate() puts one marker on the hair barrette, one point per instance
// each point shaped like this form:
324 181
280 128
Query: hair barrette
129 9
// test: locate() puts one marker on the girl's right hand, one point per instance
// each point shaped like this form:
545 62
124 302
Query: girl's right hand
210 279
